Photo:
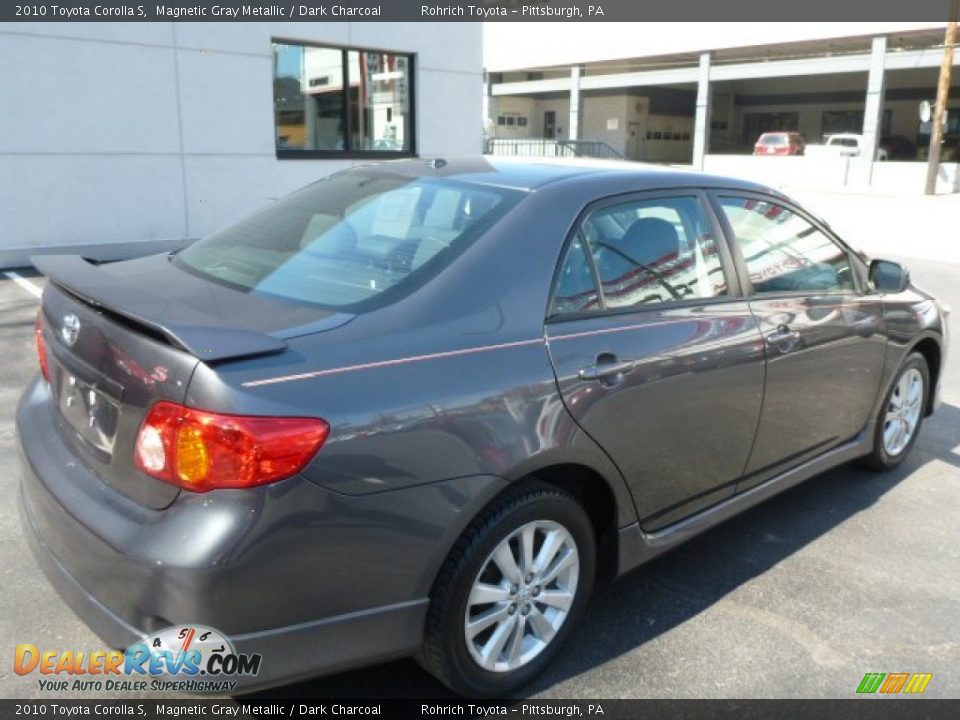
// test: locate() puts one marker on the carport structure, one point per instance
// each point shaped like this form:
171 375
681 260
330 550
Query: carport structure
720 100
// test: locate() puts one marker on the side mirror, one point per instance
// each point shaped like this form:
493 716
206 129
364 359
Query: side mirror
887 276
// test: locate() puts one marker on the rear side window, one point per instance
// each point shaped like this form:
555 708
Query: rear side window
645 252
576 289
351 242
784 252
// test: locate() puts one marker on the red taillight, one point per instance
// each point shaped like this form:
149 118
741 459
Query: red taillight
41 346
203 451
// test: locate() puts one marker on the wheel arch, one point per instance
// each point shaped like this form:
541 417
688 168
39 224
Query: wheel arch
926 342
589 488
931 351
605 500
582 469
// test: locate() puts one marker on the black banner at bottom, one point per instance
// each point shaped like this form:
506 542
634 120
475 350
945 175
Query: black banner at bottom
855 709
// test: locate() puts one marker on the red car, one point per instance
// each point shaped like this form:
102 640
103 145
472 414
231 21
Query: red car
780 143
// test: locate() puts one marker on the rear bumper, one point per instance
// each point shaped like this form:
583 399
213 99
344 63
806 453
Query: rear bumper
290 653
313 581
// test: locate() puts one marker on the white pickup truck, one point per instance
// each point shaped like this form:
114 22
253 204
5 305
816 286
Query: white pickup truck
843 145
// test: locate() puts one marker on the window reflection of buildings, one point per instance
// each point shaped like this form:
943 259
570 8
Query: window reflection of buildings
313 111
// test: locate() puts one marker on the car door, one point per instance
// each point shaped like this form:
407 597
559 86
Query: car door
822 331
656 354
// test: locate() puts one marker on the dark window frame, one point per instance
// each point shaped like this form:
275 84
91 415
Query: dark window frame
735 292
348 153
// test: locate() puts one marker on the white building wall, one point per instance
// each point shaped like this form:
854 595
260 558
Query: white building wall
516 107
820 174
561 107
605 120
727 115
129 133
668 147
519 45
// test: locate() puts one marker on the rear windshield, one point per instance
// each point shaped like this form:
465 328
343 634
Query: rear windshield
773 140
354 241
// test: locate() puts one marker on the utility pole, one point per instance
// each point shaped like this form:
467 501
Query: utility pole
943 91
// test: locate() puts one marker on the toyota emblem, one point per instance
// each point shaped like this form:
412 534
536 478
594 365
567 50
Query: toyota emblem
70 329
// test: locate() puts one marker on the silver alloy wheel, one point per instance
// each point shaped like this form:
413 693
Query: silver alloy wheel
521 596
903 412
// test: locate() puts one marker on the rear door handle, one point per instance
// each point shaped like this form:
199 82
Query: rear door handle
782 334
602 371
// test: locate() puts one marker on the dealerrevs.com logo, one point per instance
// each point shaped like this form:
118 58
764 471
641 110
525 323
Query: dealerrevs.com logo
190 658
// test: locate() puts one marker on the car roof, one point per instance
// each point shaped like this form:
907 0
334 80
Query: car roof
531 174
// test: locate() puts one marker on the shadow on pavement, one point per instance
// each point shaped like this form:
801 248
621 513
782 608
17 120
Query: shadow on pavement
682 583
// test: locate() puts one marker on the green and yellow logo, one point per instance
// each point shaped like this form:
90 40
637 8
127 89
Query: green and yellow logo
893 683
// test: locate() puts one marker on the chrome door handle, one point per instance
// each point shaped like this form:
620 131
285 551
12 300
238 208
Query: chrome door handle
606 370
783 333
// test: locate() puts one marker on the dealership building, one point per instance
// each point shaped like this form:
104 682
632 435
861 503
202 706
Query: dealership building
702 94
122 138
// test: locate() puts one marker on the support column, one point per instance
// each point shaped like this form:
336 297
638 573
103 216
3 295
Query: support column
573 132
873 107
310 121
701 121
490 111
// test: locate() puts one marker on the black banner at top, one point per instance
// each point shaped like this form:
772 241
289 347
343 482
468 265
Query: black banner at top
464 709
475 11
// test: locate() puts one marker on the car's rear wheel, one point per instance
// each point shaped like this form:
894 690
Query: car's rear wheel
901 414
510 591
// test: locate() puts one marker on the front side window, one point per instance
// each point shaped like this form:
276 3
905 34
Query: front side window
333 100
784 252
352 242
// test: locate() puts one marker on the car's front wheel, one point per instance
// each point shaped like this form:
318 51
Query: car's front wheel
901 414
510 591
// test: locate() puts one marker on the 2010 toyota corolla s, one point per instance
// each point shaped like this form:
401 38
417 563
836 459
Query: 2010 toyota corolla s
414 408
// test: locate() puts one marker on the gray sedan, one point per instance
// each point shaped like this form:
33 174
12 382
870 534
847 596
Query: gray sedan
416 408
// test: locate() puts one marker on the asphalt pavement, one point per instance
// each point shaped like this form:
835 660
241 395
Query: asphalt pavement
849 573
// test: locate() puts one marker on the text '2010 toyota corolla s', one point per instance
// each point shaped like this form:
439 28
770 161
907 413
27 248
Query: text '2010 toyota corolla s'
415 408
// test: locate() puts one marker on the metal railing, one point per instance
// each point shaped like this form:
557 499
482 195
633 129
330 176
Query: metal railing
543 147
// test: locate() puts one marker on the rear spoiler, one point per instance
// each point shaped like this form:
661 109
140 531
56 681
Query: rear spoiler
207 342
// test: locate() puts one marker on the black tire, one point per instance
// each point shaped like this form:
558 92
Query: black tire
444 653
881 460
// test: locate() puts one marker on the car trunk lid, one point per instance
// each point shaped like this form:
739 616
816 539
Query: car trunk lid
117 343
104 376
